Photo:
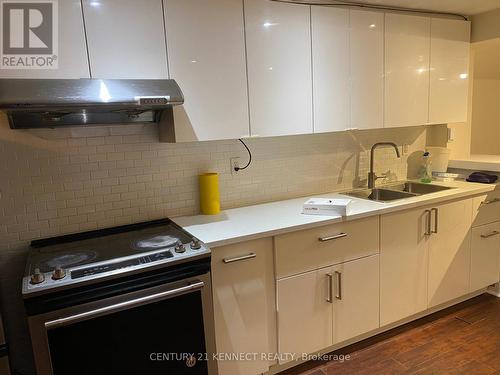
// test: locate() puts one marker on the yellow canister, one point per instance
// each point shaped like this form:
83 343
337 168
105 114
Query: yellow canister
209 193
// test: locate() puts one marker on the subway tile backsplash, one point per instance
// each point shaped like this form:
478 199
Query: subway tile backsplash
57 181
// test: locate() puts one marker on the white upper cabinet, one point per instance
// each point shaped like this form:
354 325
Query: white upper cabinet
407 46
367 69
72 52
279 68
449 70
330 56
126 39
206 52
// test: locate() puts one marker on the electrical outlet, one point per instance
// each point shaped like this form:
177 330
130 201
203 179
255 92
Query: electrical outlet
235 163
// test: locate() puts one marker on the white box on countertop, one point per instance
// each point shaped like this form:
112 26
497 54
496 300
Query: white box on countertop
326 206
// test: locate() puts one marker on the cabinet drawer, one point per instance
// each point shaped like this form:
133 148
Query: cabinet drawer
485 256
486 208
324 246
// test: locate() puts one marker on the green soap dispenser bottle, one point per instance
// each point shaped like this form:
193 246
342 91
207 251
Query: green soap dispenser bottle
425 171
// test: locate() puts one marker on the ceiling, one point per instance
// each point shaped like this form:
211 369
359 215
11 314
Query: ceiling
466 7
463 7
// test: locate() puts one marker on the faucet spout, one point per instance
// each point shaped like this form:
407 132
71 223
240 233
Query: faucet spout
372 177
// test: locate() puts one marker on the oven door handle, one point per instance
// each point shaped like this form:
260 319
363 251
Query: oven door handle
191 287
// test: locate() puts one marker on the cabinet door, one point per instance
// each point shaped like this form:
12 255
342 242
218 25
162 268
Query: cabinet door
449 70
366 46
330 56
403 265
206 54
279 68
449 252
407 44
72 51
485 256
126 39
244 304
304 313
355 298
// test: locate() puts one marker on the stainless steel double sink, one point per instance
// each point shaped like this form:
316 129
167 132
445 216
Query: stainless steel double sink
401 190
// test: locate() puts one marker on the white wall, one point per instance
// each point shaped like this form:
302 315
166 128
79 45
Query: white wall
481 132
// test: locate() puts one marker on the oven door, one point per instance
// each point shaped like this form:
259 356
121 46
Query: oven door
165 329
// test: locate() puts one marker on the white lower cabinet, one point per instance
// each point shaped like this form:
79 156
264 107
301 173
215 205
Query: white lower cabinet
320 308
449 252
355 298
304 314
485 256
244 304
425 258
403 264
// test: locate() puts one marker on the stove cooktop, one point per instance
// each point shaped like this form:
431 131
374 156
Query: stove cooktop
92 256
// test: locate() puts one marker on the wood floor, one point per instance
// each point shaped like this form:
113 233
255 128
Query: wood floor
464 339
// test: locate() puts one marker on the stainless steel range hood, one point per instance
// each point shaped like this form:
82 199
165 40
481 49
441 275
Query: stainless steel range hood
50 103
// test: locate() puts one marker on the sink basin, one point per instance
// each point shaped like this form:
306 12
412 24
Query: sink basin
417 188
401 190
381 195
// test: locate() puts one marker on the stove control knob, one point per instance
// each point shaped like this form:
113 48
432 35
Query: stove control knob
37 277
58 273
195 244
179 247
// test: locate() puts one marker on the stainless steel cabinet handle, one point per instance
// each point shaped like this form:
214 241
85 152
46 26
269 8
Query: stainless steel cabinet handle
329 280
191 287
338 276
436 219
239 258
329 238
428 219
494 200
494 233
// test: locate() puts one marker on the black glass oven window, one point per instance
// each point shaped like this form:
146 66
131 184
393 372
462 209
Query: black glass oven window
153 339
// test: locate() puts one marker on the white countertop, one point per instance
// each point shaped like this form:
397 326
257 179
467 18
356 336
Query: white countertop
269 219
477 162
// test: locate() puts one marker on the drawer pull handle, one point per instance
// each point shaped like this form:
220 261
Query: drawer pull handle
329 238
338 294
436 219
239 258
428 219
494 233
329 282
494 200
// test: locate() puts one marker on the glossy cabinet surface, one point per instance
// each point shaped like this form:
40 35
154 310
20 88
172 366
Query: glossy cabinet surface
323 307
279 68
449 252
355 298
407 46
305 317
206 53
244 304
449 74
126 39
72 50
485 256
403 264
330 57
366 50
303 250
